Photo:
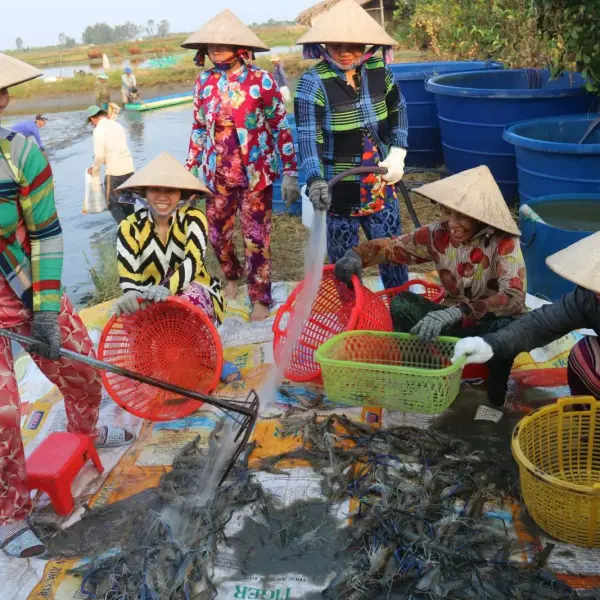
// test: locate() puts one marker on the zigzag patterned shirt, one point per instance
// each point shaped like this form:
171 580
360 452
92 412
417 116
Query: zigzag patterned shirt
144 260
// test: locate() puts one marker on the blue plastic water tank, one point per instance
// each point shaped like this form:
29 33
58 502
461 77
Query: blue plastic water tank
550 159
550 224
425 146
475 107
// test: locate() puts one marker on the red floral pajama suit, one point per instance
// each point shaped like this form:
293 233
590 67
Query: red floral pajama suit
239 118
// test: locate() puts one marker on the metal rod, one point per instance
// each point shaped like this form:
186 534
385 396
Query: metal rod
380 170
163 385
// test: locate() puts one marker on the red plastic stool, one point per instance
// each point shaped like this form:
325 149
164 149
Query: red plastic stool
53 465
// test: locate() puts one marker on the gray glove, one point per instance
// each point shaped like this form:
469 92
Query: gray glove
432 324
350 264
290 191
128 303
318 192
46 333
157 293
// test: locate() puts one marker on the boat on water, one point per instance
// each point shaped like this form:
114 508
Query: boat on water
161 102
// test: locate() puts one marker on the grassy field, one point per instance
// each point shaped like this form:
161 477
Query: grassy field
53 55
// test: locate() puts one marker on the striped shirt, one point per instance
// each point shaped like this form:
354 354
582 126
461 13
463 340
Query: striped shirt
144 260
333 119
31 243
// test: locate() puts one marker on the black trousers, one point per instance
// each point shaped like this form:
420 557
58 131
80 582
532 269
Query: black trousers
118 210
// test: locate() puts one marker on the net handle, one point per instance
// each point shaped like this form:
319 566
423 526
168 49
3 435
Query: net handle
27 341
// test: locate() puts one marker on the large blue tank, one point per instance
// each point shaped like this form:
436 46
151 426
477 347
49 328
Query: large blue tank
550 159
550 224
425 146
475 107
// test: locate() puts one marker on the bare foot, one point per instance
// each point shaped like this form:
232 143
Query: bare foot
259 312
231 290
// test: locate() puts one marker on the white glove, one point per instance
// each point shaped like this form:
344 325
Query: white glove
475 349
394 163
285 93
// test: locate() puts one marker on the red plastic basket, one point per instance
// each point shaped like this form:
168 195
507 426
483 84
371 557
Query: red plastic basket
432 291
173 341
336 309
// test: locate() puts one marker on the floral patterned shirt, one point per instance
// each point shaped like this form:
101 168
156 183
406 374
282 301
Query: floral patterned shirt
486 275
260 118
374 191
230 164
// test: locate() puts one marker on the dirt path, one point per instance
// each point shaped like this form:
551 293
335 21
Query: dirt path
53 104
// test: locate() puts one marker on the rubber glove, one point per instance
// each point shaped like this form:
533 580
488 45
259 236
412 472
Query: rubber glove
128 303
157 293
318 192
476 350
394 163
285 93
290 190
432 324
350 264
46 333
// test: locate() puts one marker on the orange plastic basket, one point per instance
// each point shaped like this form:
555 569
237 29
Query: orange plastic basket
336 309
173 341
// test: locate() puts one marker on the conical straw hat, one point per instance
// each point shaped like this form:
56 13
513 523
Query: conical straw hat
347 22
474 193
579 263
166 171
14 71
225 29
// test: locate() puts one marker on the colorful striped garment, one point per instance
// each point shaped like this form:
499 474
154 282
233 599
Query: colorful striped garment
31 243
336 123
144 260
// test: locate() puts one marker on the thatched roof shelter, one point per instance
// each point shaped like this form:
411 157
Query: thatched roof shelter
307 17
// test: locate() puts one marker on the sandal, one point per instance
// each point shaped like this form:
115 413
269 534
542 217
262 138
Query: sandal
18 540
110 436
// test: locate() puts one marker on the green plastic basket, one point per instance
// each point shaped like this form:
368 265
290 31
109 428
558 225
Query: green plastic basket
393 370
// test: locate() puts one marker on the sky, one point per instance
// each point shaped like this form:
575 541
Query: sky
38 22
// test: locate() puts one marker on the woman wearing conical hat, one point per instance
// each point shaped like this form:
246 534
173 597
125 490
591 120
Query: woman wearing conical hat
239 124
580 309
351 113
161 247
475 248
33 303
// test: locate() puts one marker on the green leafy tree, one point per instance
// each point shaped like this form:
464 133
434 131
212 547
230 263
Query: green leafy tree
19 44
100 33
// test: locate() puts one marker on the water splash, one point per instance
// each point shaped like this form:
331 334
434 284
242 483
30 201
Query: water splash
313 269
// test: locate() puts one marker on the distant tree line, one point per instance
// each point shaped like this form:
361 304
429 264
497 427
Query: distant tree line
272 23
102 33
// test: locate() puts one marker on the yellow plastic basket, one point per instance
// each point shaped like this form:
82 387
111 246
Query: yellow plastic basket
557 449
393 370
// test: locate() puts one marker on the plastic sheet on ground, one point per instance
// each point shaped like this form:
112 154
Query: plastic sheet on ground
538 377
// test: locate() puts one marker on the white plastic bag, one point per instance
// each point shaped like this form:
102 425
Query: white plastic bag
94 200
285 93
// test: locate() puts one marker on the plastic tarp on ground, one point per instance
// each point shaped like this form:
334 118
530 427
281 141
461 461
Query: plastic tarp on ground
538 377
